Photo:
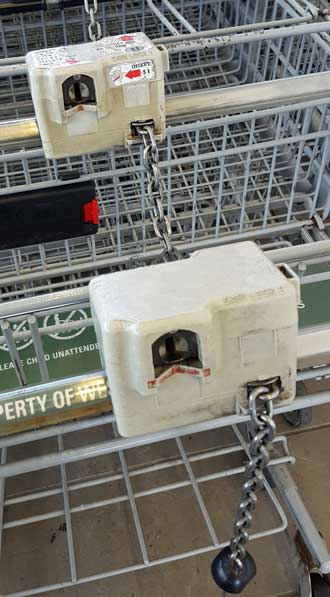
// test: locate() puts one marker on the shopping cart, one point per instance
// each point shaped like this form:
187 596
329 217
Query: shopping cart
246 156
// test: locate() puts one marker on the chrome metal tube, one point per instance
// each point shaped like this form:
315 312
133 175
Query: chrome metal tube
162 17
8 336
254 96
44 302
111 261
25 437
50 386
65 298
14 60
231 30
312 538
20 60
18 130
35 334
179 16
248 37
269 94
12 70
298 253
108 447
230 36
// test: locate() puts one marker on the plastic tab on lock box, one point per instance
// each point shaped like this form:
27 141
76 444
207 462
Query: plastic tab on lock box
180 341
86 97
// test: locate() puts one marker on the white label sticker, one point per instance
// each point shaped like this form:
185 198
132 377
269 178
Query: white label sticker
89 52
132 72
129 42
64 56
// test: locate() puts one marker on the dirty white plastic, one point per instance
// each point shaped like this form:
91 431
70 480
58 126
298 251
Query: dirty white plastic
240 309
86 96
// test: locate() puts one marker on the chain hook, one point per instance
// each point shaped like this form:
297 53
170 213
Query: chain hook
261 402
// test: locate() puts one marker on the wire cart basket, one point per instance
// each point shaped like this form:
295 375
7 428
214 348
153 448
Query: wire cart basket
246 156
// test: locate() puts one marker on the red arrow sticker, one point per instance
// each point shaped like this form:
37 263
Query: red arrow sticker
133 74
123 74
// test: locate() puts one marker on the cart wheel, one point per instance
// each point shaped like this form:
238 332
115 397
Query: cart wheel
299 418
320 587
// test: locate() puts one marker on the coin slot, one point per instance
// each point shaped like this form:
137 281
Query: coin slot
78 90
173 348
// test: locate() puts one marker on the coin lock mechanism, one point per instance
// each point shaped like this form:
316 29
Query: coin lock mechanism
88 96
181 341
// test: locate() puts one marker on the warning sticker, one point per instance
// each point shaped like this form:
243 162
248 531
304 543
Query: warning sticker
132 72
128 42
62 56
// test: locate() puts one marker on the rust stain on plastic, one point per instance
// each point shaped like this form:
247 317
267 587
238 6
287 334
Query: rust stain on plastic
152 383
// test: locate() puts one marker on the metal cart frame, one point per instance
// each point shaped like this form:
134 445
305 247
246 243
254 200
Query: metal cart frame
265 176
63 457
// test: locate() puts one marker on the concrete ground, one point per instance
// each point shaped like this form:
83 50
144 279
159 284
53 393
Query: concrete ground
35 555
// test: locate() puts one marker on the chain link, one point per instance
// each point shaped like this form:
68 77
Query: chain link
260 398
263 432
155 193
94 27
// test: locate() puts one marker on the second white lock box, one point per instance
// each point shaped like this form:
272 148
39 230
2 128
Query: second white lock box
181 341
86 97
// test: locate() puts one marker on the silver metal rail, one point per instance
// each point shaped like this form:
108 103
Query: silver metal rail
79 296
313 347
159 14
313 540
108 447
254 96
16 66
297 253
248 37
209 33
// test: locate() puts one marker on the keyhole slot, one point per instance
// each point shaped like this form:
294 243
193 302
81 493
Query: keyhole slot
173 349
176 347
78 90
77 95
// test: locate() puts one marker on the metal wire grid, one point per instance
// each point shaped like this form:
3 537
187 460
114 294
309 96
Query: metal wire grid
257 175
232 199
118 478
115 487
24 32
131 484
20 34
244 63
213 190
190 71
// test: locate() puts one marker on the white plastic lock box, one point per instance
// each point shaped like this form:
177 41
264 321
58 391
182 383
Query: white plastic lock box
181 341
87 96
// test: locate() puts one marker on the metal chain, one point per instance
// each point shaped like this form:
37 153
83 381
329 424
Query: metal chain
260 398
263 432
94 27
155 191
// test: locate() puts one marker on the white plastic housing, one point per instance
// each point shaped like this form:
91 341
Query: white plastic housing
240 306
120 80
